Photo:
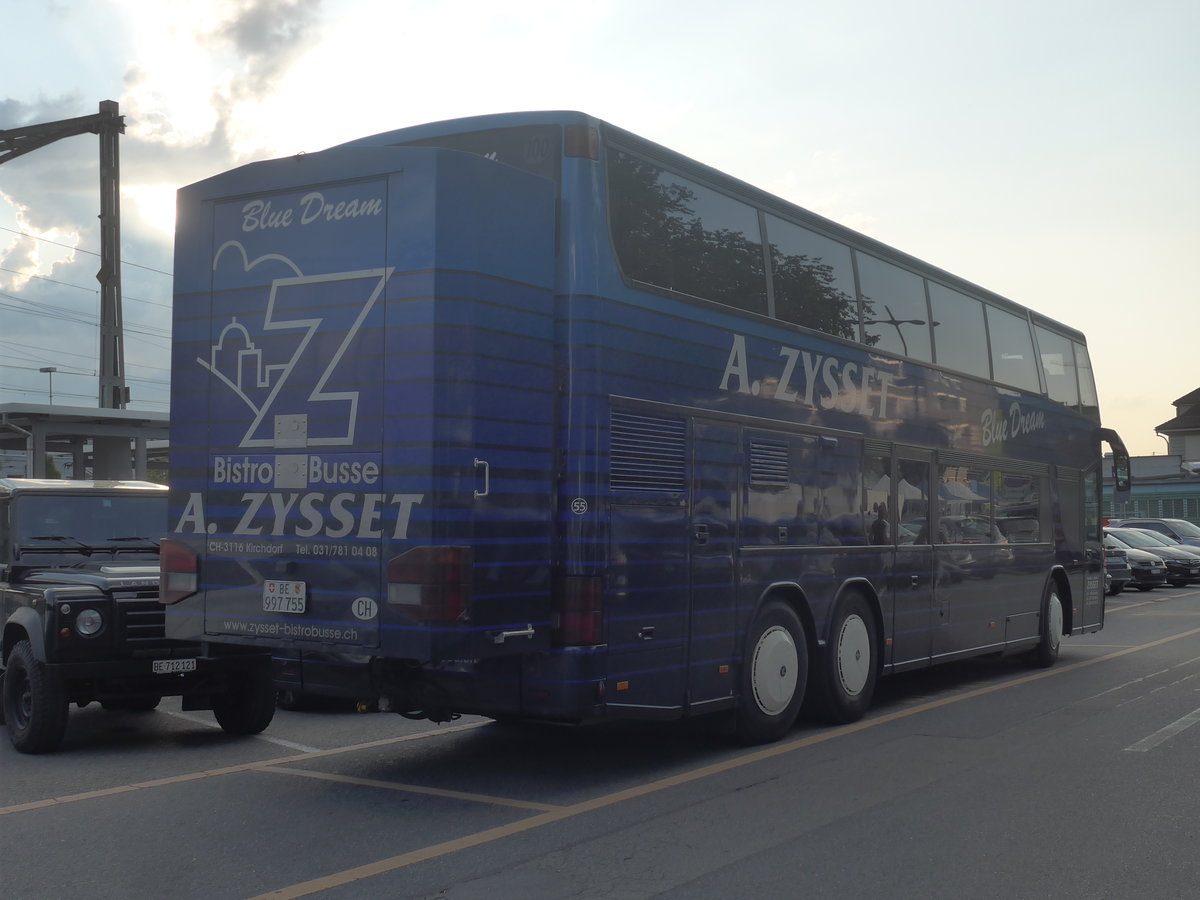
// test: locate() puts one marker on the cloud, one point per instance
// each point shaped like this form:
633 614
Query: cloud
193 88
267 35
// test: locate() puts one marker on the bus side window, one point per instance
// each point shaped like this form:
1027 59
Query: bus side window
965 505
878 521
1012 350
1018 508
912 502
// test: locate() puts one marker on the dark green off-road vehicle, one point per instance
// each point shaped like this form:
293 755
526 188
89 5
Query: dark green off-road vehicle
82 621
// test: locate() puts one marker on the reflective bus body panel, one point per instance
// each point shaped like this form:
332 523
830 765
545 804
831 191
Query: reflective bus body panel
342 365
512 393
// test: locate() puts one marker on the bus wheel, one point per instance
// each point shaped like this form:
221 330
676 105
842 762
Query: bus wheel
774 674
35 702
1046 652
844 675
248 706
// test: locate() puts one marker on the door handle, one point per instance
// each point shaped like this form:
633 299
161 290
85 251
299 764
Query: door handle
499 637
487 478
701 534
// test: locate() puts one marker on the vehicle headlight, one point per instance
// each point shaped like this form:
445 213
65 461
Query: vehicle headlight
89 622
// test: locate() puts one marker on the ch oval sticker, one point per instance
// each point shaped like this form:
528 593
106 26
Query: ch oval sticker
364 608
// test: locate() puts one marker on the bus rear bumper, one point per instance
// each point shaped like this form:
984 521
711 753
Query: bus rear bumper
560 686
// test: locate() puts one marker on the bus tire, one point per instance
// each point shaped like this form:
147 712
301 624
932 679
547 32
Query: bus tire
248 706
35 702
844 674
1045 653
774 675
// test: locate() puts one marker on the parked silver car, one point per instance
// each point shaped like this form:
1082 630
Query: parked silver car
1182 561
1180 530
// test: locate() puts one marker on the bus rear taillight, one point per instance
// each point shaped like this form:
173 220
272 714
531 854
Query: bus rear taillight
178 571
431 584
579 611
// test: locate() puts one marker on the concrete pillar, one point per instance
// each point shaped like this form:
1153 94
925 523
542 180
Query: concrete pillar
139 458
78 460
37 453
111 458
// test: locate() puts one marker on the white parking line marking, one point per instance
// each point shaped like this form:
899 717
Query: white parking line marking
291 745
1165 734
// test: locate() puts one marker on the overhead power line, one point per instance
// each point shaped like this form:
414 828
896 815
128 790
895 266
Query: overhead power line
79 287
124 262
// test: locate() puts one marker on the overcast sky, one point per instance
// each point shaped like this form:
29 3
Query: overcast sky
1048 150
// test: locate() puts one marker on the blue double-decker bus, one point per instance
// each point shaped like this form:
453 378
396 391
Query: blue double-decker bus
526 416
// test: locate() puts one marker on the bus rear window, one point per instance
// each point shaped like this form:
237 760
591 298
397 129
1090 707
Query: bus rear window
533 148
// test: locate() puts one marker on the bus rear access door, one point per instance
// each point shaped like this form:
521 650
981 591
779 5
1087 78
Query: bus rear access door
670 610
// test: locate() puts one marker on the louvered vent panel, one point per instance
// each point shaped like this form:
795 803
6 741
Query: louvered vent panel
769 463
648 453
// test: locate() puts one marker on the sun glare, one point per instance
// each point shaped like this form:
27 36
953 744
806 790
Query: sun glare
155 204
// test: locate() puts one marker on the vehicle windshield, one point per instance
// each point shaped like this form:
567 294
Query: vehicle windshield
1161 539
1135 538
88 520
1186 528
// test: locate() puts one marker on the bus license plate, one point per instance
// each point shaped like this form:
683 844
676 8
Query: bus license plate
284 596
168 666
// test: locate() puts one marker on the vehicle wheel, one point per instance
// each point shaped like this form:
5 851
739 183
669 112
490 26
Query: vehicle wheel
844 675
1145 587
35 702
249 704
774 675
1046 652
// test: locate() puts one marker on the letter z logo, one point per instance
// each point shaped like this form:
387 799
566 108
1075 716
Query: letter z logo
249 370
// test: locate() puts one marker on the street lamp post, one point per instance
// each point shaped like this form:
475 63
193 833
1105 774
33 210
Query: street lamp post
896 323
50 370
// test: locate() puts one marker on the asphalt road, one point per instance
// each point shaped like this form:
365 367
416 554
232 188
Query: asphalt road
980 779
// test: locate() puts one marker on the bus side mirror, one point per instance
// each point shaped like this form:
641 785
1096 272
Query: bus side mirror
1122 476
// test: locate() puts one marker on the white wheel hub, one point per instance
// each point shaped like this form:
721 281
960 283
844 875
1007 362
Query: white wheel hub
774 670
853 655
1054 620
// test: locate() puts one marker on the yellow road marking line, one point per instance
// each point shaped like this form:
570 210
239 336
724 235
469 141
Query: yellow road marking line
413 788
391 864
231 770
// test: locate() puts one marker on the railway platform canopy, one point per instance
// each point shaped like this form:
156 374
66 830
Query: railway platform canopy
102 443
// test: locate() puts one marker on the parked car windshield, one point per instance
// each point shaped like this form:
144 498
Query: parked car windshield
94 520
1162 539
1183 526
1135 538
1179 526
